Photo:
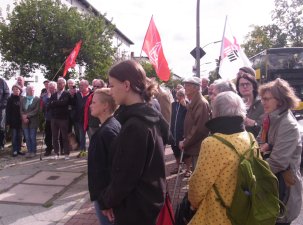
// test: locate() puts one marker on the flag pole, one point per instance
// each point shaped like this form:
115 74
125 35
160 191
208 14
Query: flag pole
145 36
59 69
222 43
222 47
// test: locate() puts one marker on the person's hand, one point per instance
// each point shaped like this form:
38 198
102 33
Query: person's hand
181 145
109 214
289 178
183 102
264 147
249 122
25 121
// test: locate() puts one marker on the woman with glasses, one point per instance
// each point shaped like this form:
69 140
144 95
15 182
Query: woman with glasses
282 143
247 88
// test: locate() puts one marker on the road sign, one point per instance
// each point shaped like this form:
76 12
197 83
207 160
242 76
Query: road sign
200 52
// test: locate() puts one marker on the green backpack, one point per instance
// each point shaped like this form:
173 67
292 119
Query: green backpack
256 198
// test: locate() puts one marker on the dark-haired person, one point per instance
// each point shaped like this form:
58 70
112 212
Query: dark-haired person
102 107
247 88
177 125
136 191
4 94
246 69
282 144
13 119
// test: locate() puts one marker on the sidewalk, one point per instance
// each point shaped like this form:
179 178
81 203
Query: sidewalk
54 192
86 214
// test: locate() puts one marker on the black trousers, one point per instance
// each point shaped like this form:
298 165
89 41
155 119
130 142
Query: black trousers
2 138
60 126
48 136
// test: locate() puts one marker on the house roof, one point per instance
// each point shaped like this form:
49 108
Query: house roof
96 12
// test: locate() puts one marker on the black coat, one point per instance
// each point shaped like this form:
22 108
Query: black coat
98 157
59 107
178 113
13 115
137 188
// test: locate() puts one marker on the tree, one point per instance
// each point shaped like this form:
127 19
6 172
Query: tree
151 73
263 37
41 34
287 15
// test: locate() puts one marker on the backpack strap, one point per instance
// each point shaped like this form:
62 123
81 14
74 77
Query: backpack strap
241 156
224 141
219 199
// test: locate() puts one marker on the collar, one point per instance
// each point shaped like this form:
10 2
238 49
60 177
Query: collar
226 125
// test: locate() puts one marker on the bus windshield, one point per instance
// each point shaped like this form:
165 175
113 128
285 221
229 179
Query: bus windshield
285 61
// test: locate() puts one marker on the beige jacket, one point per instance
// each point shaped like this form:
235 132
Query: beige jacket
198 113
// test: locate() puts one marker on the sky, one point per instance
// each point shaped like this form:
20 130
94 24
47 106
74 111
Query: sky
176 23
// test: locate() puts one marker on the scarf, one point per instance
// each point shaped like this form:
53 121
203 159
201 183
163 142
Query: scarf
29 101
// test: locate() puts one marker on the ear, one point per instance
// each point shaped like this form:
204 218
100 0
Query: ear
127 85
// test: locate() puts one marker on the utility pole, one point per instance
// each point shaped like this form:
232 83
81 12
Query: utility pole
198 40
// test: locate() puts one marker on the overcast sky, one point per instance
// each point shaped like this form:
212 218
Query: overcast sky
176 23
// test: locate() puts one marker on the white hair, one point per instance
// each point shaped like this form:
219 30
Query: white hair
62 79
228 103
52 83
71 81
30 86
85 82
224 85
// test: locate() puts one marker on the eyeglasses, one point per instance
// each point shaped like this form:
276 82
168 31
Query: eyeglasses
266 99
245 84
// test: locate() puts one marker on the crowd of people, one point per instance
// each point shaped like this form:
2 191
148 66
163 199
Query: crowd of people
130 121
64 109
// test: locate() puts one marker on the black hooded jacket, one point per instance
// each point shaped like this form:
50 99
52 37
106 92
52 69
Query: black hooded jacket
137 188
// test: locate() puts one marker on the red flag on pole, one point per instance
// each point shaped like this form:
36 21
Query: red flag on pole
71 59
153 48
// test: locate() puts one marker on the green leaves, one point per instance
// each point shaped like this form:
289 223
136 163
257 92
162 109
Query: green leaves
286 30
43 33
263 37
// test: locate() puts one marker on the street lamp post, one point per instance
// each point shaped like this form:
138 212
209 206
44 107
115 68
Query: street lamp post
198 40
214 42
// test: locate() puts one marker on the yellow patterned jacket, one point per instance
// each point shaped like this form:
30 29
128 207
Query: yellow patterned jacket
216 164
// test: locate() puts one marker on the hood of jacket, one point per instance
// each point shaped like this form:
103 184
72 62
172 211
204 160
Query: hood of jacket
145 113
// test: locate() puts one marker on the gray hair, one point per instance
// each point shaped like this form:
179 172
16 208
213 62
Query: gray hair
228 104
71 81
52 83
85 82
29 87
224 85
181 92
62 79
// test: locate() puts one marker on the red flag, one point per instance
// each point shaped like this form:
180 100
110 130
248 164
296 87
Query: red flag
153 48
71 59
